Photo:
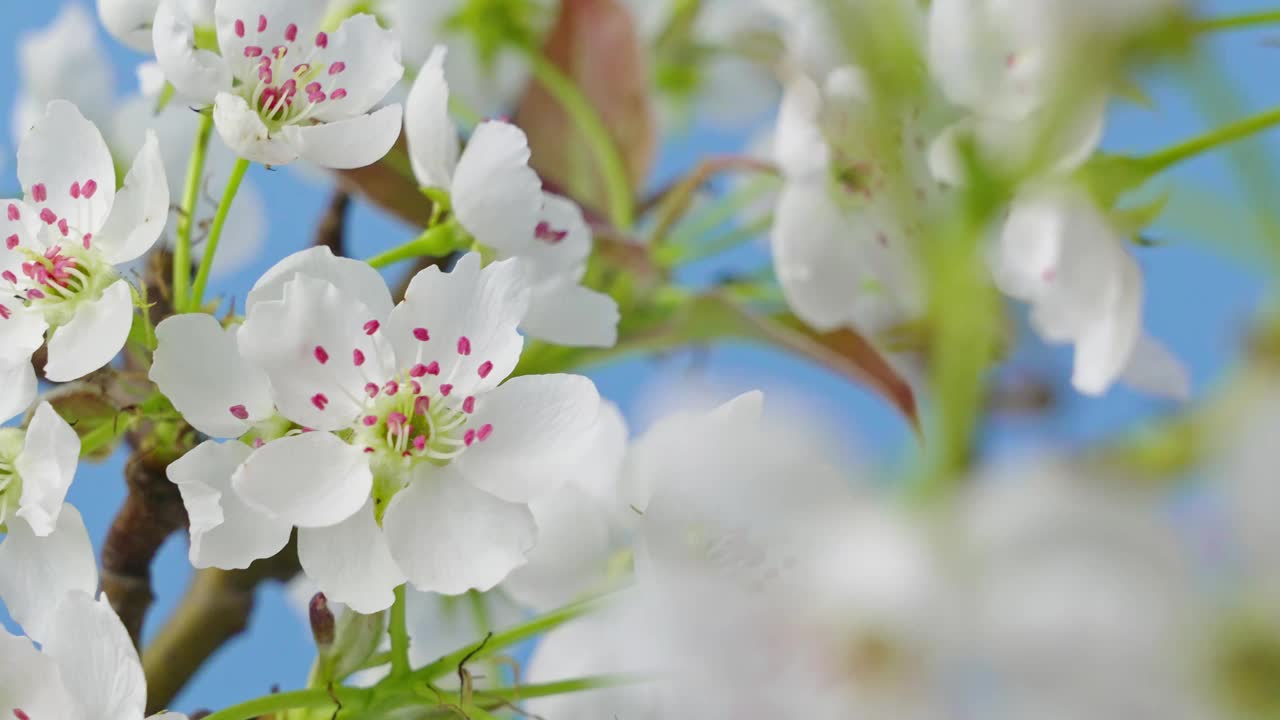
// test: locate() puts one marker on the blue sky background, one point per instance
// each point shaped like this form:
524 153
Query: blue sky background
1199 301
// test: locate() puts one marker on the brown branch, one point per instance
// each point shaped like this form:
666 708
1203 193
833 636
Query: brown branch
332 230
215 609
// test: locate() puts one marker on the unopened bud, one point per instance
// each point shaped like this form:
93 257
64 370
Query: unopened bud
322 621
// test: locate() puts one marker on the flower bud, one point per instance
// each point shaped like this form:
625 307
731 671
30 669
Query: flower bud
322 621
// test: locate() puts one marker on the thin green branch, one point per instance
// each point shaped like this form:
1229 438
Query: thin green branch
186 216
318 699
1238 22
1224 135
398 629
215 232
438 241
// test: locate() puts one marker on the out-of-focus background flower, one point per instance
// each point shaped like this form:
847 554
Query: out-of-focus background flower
1203 290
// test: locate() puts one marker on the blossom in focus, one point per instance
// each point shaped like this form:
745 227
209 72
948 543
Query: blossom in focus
410 458
284 89
498 199
62 242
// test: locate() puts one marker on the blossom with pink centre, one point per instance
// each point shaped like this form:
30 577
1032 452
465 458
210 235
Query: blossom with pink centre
62 243
284 89
498 199
411 458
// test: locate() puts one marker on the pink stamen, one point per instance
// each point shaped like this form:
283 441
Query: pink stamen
239 28
421 334
320 401
391 388
368 451
485 431
75 190
371 389
322 355
63 227
265 76
20 715
420 443
312 87
357 357
279 51
433 368
34 294
251 51
48 217
239 412
11 242
10 277
445 389
370 420
371 327
89 188
337 67
469 405
322 40
469 437
302 69
5 313
291 32
418 370
13 212
397 419
258 442
87 238
39 192
545 233
262 23
338 94
415 387
422 405
485 368
464 345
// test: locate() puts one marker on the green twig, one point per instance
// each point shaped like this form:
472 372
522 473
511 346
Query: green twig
186 217
1238 22
398 629
215 232
317 699
1224 135
438 241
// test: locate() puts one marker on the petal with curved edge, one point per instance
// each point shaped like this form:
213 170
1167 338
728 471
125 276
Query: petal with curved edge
198 366
1153 369
351 143
363 59
62 153
563 238
572 555
1104 349
573 315
225 532
21 332
496 195
449 537
799 147
93 337
244 132
141 208
307 343
47 465
351 563
542 426
129 21
264 24
96 658
429 131
30 681
308 480
352 277
195 73
483 306
19 383
35 571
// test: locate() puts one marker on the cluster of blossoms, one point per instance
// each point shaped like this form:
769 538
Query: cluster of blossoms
406 450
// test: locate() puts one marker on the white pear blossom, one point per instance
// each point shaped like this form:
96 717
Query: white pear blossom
63 61
1059 252
130 21
414 460
842 253
284 89
498 199
62 242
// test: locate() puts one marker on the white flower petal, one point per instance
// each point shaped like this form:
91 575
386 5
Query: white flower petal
197 74
96 658
30 681
19 223
542 425
350 143
799 147
370 57
19 383
64 151
47 465
308 480
307 344
93 337
572 315
351 563
36 571
430 132
1104 349
21 333
198 366
140 210
225 532
483 306
496 195
243 131
449 537
264 24
573 551
351 277
1154 369
129 21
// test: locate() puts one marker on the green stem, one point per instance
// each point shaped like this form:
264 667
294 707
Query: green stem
215 232
607 155
560 687
1238 22
186 218
318 699
398 629
501 640
438 241
1226 134
672 255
